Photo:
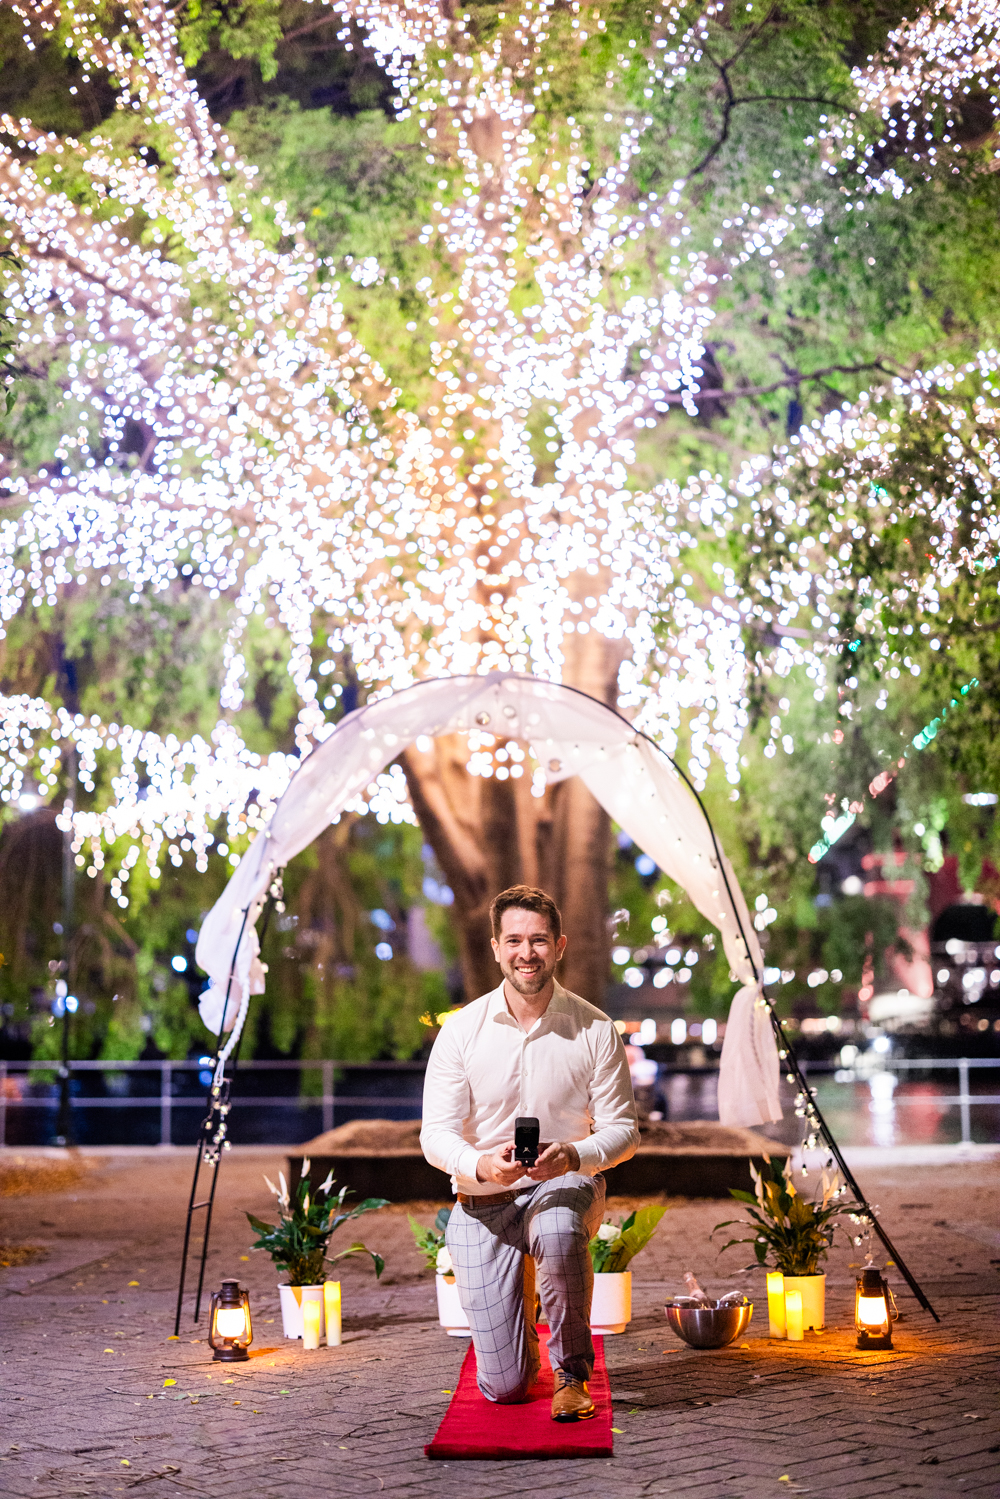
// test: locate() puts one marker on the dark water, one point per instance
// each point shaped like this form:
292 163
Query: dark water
873 1112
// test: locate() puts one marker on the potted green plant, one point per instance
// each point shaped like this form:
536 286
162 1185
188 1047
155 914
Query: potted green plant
430 1242
299 1241
790 1233
612 1248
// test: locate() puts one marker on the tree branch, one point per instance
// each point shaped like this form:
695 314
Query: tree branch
312 26
732 102
677 398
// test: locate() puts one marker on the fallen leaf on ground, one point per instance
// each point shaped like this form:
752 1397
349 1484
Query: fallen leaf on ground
167 1382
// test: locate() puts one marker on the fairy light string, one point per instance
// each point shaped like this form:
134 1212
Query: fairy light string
284 473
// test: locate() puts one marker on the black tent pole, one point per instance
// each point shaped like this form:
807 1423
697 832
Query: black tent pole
811 1107
212 1100
223 1102
788 1057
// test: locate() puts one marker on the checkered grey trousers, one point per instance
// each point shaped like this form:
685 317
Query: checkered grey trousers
496 1251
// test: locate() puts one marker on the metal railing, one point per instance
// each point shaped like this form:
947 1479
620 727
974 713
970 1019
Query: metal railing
166 1100
963 1098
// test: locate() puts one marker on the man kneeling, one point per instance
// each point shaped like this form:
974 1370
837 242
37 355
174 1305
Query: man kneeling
529 1048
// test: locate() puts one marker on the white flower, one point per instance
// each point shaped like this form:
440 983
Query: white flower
328 1183
444 1264
609 1232
306 1166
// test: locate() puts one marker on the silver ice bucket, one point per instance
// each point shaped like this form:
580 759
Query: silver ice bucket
709 1326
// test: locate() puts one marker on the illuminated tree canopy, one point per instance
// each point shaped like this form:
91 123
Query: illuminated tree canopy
576 344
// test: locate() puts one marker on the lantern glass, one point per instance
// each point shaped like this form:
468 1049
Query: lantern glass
873 1310
231 1331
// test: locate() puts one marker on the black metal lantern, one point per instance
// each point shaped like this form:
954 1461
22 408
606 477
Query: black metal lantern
874 1310
230 1333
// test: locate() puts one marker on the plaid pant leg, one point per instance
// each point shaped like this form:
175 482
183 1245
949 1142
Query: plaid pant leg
560 1221
496 1286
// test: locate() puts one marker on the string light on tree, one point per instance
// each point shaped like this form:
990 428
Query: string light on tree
497 528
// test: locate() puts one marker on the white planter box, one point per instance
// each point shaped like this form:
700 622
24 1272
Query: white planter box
813 1291
292 1298
611 1308
450 1313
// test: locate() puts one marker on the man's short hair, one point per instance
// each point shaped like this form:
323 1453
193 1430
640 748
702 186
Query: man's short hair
525 898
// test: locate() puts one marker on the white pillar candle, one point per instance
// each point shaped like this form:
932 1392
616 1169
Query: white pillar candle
776 1304
793 1316
331 1302
310 1324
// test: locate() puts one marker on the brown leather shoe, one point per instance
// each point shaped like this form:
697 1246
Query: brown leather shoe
571 1401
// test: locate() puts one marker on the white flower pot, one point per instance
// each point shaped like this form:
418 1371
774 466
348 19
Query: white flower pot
611 1308
292 1298
813 1291
450 1313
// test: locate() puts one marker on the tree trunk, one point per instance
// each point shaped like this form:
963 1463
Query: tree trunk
489 834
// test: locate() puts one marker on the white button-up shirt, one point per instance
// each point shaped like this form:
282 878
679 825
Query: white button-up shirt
569 1071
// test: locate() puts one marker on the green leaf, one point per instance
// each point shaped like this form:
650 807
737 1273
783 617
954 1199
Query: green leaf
611 1257
800 1213
370 1205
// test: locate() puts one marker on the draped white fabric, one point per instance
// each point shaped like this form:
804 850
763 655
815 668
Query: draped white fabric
570 734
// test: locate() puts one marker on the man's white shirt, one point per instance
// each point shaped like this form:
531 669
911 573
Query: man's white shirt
569 1070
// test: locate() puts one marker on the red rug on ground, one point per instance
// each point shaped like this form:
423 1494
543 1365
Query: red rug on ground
475 1427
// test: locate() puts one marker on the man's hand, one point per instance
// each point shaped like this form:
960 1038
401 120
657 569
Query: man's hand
500 1166
555 1160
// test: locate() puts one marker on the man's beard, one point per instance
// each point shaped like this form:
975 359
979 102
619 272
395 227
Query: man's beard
528 984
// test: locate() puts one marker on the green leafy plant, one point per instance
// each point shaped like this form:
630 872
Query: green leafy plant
298 1242
430 1241
788 1232
615 1245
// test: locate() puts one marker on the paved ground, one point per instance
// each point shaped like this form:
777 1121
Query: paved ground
87 1357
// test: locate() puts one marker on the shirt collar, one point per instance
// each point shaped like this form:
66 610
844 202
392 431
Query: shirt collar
558 1004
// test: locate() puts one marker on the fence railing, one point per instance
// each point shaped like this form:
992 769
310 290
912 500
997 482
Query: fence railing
963 1098
167 1100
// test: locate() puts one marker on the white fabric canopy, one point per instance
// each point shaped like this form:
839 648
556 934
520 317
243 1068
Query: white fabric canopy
570 734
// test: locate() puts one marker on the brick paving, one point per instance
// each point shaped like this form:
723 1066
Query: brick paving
86 1353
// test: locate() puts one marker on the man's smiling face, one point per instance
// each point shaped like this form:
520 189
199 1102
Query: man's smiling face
526 950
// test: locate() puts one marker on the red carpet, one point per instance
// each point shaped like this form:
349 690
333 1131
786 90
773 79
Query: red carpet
475 1427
